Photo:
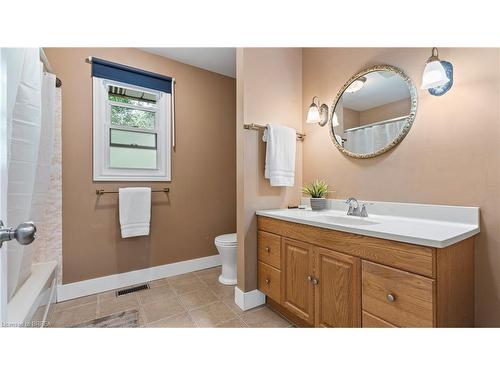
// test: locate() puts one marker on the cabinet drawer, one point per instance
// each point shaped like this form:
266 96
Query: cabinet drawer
398 297
269 249
372 321
269 281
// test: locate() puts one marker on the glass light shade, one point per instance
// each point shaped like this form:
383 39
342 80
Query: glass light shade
434 75
313 116
356 85
335 120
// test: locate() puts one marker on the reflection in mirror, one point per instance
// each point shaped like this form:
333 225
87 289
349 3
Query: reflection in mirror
373 112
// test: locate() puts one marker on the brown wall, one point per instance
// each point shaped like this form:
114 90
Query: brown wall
353 119
269 90
202 201
385 112
450 156
350 118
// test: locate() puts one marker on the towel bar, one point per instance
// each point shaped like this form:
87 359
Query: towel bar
252 126
102 191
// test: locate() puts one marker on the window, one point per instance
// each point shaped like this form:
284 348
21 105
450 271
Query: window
132 132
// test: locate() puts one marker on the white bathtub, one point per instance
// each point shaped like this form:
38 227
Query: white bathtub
30 305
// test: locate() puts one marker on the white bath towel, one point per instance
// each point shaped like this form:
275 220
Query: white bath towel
135 211
280 155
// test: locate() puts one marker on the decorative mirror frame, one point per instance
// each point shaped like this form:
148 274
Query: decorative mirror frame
409 121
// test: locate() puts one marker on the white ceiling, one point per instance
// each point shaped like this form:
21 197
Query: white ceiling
218 60
380 88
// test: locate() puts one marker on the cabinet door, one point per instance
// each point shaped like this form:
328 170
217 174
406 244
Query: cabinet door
338 292
298 290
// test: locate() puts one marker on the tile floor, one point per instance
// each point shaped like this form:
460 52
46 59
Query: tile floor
195 299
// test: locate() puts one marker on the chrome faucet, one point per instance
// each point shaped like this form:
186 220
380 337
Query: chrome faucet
354 209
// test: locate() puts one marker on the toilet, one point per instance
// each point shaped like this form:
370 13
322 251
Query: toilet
226 245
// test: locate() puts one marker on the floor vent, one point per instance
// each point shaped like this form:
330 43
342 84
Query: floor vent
132 289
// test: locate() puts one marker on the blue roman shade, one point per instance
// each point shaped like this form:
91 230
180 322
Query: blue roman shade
133 76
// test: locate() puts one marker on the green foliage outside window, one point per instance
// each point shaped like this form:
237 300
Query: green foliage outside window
123 116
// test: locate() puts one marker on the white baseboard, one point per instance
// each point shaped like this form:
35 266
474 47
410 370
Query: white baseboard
248 300
122 280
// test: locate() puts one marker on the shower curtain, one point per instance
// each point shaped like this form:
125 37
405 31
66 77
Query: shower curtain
30 122
369 139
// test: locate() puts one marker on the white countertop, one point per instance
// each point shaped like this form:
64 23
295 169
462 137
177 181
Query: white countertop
426 225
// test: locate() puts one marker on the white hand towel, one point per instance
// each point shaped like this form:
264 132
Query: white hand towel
280 155
135 211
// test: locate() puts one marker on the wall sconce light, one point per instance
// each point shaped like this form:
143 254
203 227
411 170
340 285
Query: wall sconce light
438 75
318 113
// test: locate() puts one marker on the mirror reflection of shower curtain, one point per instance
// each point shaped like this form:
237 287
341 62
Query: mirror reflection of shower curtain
370 139
30 121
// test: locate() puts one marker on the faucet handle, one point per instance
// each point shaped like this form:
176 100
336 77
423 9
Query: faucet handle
363 212
352 201
353 206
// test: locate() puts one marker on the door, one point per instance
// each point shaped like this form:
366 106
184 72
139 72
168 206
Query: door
3 183
22 112
298 288
338 289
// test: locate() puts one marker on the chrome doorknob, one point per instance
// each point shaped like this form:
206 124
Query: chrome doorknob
25 233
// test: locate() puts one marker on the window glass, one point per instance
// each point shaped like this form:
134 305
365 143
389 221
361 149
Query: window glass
131 149
125 157
133 97
131 101
132 138
135 118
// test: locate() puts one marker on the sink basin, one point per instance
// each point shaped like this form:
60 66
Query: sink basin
346 220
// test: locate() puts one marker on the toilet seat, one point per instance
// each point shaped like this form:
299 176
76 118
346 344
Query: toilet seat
226 239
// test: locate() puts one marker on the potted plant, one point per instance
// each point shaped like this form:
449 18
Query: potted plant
317 191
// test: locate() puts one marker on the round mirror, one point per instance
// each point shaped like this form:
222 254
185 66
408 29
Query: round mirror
373 111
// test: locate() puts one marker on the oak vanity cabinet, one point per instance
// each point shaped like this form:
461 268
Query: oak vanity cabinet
297 277
292 282
325 278
337 293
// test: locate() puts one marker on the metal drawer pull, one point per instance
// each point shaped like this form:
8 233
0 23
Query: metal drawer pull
268 281
268 249
390 297
312 280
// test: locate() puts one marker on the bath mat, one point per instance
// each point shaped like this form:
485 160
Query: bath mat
126 319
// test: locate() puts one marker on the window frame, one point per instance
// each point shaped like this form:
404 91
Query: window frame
102 134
